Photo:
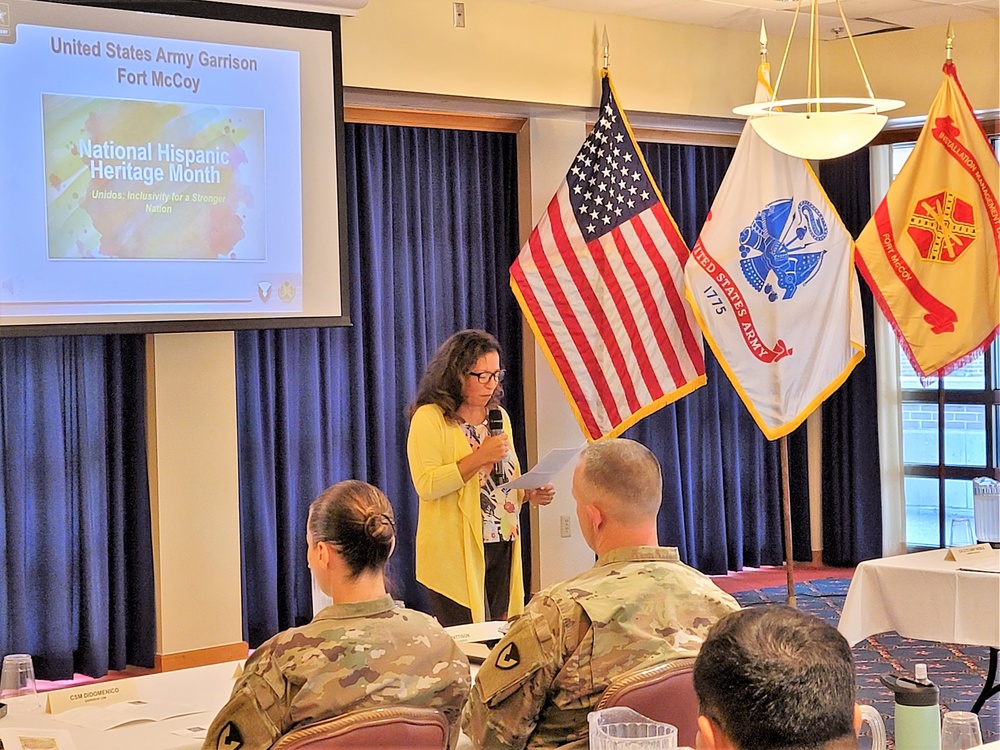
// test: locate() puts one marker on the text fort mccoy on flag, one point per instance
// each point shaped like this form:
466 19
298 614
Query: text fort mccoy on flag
931 252
600 281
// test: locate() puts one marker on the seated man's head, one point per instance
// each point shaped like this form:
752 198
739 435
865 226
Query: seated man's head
617 488
774 678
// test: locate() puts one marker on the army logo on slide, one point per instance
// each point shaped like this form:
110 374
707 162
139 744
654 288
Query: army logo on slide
5 34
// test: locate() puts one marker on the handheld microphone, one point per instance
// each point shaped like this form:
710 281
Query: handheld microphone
494 423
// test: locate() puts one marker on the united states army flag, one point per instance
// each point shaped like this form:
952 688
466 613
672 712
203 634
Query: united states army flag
930 252
772 282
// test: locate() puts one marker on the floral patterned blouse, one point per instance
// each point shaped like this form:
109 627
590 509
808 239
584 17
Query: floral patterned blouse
500 519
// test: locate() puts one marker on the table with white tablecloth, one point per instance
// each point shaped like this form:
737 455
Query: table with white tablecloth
204 688
924 596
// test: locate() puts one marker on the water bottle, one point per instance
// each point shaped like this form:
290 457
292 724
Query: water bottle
917 714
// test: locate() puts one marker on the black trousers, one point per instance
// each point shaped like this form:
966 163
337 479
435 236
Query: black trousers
497 590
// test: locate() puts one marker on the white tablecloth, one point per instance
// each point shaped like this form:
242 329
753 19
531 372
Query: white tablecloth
207 688
923 596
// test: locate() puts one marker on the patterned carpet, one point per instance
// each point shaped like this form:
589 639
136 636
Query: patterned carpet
959 671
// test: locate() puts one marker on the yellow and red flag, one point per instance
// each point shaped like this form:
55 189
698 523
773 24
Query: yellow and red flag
931 252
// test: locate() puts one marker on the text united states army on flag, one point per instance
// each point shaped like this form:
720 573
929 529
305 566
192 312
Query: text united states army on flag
931 252
599 281
773 284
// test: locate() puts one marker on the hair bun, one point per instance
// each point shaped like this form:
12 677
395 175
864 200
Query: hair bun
380 526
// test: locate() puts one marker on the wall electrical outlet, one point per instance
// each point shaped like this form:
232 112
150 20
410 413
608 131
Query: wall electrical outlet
565 529
458 9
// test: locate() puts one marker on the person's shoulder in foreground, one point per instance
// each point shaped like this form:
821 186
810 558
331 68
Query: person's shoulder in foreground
772 677
349 657
380 654
361 652
638 606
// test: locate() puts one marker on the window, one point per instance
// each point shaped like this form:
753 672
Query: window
950 428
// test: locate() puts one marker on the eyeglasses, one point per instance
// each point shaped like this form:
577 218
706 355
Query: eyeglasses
486 377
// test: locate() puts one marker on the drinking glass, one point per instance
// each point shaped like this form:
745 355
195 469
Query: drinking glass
17 679
960 730
620 728
876 727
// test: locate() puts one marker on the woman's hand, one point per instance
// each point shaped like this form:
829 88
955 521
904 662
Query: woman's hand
540 495
493 449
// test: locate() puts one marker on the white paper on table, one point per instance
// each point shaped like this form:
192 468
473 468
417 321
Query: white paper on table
193 732
117 714
17 738
975 558
545 470
993 570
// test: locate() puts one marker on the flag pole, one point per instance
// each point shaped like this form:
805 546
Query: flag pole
786 512
786 503
606 43
949 41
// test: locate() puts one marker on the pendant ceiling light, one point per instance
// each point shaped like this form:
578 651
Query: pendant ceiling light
817 127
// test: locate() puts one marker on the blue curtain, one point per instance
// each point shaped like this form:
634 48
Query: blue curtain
722 479
432 230
852 487
76 590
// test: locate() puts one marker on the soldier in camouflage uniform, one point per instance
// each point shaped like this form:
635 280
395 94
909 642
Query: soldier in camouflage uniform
637 607
361 652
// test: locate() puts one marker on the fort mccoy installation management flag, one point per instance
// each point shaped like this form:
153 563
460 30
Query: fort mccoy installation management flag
773 285
599 281
930 252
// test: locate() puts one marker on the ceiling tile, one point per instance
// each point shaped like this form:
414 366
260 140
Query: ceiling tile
745 15
934 14
989 6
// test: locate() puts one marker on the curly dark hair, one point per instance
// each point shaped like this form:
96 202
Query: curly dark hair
443 380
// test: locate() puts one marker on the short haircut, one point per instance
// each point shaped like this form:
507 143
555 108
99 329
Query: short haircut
774 678
358 518
627 474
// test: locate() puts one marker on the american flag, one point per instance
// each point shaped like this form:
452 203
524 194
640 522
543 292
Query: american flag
600 281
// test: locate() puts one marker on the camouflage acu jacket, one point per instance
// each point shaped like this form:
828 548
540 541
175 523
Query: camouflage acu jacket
350 657
637 607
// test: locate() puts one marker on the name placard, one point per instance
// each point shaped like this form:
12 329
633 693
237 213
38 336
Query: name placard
971 553
478 632
100 694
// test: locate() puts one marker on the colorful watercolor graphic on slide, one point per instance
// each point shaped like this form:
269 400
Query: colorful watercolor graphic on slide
153 180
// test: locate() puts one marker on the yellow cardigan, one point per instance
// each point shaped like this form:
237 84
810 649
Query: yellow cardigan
450 520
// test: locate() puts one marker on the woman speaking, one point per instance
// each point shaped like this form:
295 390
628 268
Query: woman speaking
459 449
